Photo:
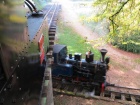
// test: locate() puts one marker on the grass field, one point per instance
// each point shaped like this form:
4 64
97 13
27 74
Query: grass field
75 43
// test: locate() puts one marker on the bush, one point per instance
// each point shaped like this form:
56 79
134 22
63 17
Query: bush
130 43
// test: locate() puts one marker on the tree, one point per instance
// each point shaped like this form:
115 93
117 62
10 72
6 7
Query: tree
123 16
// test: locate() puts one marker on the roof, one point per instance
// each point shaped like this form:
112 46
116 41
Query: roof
34 23
58 47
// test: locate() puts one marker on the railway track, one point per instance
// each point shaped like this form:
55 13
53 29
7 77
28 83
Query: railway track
52 21
123 95
51 15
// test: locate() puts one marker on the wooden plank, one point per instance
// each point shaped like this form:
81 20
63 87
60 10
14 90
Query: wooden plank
47 76
52 32
102 94
53 27
133 98
49 53
112 95
51 42
123 97
51 37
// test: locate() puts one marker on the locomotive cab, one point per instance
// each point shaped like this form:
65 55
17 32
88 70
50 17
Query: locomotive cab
59 53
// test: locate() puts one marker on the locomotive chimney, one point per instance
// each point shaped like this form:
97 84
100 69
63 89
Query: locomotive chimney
103 53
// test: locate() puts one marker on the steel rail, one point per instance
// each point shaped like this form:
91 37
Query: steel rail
48 11
52 15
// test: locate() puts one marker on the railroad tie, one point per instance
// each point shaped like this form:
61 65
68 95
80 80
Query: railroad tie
51 42
47 76
51 37
52 30
75 90
123 97
113 96
50 47
133 99
53 27
102 94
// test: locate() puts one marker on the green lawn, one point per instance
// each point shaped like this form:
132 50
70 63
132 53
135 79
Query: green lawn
75 43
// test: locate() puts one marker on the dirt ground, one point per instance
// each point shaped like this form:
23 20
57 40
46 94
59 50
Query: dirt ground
70 100
124 68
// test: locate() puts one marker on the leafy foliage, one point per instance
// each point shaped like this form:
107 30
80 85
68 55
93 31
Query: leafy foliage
123 16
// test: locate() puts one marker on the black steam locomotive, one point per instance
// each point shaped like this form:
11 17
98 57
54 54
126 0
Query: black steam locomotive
86 72
23 44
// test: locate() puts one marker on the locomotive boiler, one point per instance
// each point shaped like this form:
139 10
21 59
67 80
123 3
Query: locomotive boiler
85 72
